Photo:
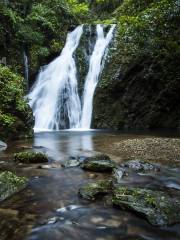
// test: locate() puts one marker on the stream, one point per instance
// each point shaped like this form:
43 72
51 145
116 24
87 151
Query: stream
49 208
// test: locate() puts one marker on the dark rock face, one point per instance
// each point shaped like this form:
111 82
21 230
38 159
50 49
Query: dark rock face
10 183
30 157
141 166
138 98
91 191
156 206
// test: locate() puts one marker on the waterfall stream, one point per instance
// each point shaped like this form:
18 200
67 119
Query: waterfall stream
54 97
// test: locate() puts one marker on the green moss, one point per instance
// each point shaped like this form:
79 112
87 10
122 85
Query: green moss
156 206
10 183
30 157
91 191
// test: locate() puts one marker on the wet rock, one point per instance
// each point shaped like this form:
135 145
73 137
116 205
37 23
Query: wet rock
10 184
118 174
98 165
141 166
30 157
156 206
71 163
91 191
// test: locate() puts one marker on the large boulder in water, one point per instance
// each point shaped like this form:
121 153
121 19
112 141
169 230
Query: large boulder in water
10 184
98 165
157 207
30 157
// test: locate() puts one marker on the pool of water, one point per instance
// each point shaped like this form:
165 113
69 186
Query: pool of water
50 207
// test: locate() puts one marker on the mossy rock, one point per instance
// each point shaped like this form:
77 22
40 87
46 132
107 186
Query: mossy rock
10 183
156 206
30 157
98 165
91 191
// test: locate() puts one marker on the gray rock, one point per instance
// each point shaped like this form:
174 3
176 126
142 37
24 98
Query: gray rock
71 163
141 166
118 174
156 206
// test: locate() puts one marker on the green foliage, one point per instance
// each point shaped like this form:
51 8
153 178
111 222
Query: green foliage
14 111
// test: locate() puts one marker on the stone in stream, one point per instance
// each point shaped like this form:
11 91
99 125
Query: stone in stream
157 207
71 163
118 174
98 163
10 184
141 166
30 157
91 191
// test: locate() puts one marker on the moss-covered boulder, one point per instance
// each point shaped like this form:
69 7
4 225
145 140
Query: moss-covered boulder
30 157
157 207
141 166
10 183
91 191
98 165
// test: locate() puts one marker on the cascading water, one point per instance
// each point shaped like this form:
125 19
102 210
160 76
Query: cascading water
54 98
95 69
55 93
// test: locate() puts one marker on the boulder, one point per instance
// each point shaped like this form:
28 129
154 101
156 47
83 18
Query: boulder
91 191
98 165
30 157
157 207
10 183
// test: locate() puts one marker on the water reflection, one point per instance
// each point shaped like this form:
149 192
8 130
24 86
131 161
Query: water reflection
62 144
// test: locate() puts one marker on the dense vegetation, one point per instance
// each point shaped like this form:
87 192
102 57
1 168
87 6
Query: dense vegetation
139 86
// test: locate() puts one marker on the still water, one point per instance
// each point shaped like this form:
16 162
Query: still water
50 207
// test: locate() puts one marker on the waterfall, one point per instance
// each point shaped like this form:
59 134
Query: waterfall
26 69
54 97
95 69
55 93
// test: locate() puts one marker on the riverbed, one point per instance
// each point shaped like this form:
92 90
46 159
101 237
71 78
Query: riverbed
50 208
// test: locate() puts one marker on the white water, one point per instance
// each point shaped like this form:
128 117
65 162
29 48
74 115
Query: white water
56 89
54 97
93 74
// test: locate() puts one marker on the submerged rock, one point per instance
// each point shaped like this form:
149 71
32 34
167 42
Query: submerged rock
98 165
71 163
141 166
10 184
156 206
30 157
118 174
91 191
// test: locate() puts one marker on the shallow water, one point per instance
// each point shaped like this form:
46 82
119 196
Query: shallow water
50 208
